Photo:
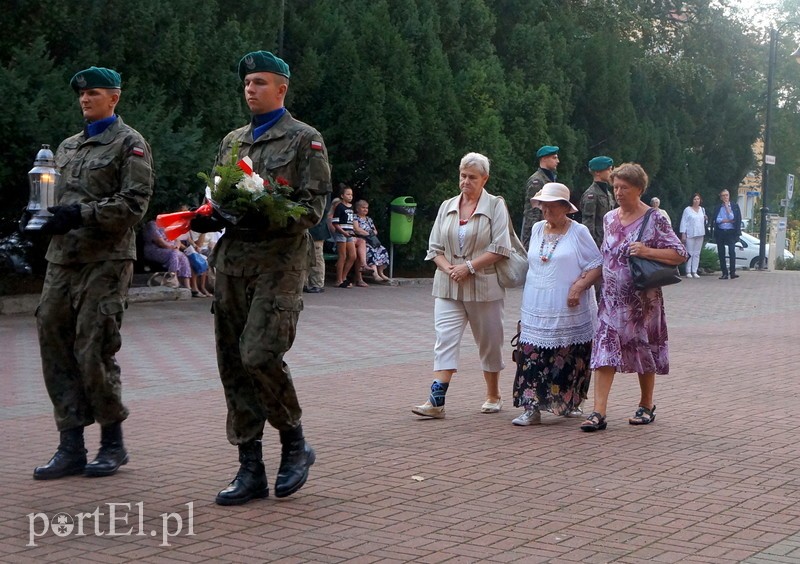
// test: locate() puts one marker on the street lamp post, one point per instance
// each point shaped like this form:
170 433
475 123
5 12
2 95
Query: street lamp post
767 158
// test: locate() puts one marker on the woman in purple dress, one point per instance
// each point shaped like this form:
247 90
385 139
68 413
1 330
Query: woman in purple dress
157 248
632 329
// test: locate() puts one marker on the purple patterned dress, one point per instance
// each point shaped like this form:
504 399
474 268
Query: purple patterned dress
172 260
632 328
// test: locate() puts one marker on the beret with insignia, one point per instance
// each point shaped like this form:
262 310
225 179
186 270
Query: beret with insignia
95 77
601 163
262 61
546 151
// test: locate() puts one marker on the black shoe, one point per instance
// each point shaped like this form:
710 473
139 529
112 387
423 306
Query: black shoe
595 422
296 458
251 480
305 289
734 276
314 290
69 459
723 277
112 453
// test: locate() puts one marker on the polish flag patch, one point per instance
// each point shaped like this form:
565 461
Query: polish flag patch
137 151
316 145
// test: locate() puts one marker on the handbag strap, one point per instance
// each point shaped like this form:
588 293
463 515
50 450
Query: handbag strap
515 242
647 215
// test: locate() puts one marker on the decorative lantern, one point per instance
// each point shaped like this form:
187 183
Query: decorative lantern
43 178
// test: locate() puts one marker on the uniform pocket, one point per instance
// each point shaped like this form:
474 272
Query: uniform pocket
109 324
101 175
280 160
287 302
112 307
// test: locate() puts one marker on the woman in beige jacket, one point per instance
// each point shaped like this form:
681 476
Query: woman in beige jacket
469 236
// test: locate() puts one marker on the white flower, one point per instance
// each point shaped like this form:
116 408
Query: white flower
253 184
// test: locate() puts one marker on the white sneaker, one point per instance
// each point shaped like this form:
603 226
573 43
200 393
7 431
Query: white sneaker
428 410
696 275
528 417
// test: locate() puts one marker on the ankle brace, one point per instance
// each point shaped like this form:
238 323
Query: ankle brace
438 390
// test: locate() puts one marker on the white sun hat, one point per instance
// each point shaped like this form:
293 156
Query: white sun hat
553 192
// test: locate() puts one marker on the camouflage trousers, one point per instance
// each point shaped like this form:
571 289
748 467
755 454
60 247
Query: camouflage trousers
78 319
255 322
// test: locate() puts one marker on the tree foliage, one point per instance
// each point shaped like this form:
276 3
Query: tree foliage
401 89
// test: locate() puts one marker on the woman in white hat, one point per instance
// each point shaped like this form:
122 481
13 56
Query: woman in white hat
558 313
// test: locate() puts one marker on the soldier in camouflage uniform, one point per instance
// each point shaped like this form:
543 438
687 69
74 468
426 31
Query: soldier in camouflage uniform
105 186
548 163
598 199
261 269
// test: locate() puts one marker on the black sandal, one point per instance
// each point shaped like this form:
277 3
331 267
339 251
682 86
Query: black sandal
643 416
595 422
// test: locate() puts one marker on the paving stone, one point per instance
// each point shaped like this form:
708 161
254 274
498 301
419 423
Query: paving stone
713 479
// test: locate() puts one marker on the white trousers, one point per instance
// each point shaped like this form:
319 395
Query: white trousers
486 322
693 247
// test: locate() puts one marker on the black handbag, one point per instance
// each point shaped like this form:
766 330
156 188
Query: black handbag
648 273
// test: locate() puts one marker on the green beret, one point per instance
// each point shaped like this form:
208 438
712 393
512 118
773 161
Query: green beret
601 163
262 61
95 77
546 151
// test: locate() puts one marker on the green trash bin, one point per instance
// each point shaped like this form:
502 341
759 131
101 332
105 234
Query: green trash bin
401 220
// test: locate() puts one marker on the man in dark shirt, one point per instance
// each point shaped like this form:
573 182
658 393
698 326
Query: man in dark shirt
548 163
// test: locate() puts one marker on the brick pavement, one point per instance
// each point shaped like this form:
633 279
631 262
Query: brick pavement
715 478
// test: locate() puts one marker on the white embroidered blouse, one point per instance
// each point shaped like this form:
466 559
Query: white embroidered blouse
547 321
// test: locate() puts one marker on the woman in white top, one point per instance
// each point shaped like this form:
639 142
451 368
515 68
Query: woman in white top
470 234
693 229
559 311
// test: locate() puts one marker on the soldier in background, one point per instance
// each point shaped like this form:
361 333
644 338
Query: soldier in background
548 163
103 192
261 270
598 199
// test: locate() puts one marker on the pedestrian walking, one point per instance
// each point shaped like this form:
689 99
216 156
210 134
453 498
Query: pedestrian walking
598 199
261 270
547 156
103 191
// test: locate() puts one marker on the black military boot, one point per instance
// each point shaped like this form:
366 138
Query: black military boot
69 459
251 480
296 458
112 453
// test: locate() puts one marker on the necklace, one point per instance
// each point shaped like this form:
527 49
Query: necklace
464 221
552 243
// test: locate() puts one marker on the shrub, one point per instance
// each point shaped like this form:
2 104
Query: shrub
791 264
709 260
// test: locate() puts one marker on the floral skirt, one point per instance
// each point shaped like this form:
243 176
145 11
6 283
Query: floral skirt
377 256
556 380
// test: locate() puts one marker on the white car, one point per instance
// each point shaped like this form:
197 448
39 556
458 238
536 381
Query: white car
747 248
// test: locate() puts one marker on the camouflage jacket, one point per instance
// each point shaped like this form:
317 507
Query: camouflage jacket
111 176
596 202
531 215
295 151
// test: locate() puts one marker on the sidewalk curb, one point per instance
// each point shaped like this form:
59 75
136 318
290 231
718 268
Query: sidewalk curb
25 304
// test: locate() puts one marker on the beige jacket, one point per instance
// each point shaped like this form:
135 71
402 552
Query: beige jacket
487 230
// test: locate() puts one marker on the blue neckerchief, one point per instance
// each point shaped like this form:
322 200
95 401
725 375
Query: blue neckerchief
550 174
262 122
99 126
